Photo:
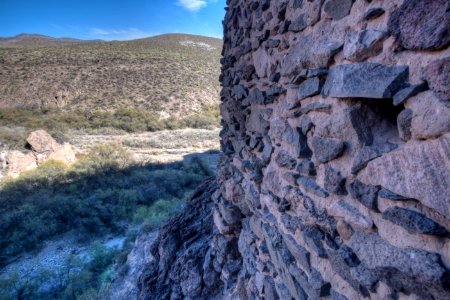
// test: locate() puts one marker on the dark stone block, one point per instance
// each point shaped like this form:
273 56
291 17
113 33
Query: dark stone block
301 255
421 24
363 157
373 13
256 96
408 92
291 223
313 238
306 167
326 149
365 80
317 72
273 93
361 124
334 181
306 124
298 24
404 120
272 43
302 145
284 160
414 222
338 9
366 194
316 106
385 193
311 186
309 88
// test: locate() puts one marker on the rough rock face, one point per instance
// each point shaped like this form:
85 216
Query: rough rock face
43 148
324 190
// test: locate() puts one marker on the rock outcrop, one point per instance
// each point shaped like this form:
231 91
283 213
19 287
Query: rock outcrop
334 179
43 148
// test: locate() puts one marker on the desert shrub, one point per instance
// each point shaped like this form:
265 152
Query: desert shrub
58 122
155 214
96 195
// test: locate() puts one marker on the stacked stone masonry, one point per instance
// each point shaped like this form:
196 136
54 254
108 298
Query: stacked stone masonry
335 177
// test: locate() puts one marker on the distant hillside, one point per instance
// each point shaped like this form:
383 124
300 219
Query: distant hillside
36 40
172 75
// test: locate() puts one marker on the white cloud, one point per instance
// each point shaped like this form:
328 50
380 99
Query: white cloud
118 34
192 5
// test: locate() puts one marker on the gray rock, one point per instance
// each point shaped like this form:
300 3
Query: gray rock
309 88
299 252
364 44
359 117
387 194
309 53
306 124
419 170
363 157
256 96
421 24
337 9
408 92
272 43
311 186
306 167
366 194
298 24
313 238
412 270
317 72
284 160
334 181
414 222
240 92
273 93
404 121
326 149
301 145
316 106
365 80
373 13
291 223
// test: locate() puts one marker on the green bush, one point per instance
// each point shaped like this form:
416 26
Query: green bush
96 195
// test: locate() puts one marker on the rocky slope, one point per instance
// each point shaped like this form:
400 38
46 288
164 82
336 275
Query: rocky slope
335 177
170 75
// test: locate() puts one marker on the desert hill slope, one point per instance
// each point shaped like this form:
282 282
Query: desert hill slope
171 75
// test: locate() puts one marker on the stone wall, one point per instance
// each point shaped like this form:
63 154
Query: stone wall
335 177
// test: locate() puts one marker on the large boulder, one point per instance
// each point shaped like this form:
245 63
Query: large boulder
45 147
421 24
365 80
420 170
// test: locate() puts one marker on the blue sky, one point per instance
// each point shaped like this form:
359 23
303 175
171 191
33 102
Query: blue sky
111 19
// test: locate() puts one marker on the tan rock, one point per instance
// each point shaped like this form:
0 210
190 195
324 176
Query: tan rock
46 148
19 162
420 170
431 117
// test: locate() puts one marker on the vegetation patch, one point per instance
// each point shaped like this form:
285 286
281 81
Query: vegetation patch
15 124
99 194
